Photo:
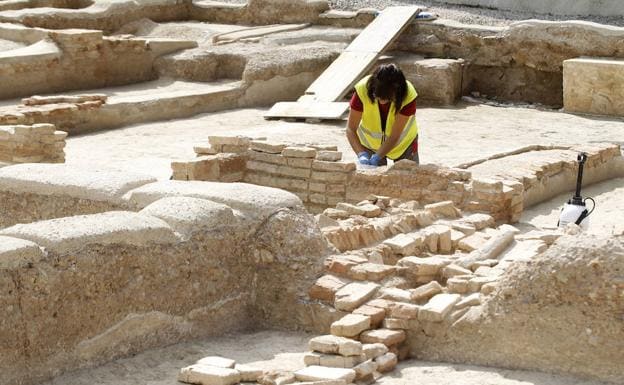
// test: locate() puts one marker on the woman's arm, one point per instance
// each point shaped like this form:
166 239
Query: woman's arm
397 129
352 126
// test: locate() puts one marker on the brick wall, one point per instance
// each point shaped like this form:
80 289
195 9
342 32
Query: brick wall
32 144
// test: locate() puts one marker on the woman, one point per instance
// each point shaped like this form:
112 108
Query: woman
382 121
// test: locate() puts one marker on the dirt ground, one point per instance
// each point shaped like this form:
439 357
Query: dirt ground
283 350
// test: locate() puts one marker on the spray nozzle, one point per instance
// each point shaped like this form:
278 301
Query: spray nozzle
582 157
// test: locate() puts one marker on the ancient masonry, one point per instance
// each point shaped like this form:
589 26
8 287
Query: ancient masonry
321 179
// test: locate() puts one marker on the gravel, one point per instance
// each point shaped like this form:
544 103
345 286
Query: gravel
464 14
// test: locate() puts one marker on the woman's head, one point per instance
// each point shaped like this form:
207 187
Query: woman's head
387 84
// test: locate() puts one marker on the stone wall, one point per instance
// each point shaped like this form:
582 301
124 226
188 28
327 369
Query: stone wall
83 290
522 62
318 176
609 8
31 144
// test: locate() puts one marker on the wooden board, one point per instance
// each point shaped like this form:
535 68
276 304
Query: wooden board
303 110
321 98
361 54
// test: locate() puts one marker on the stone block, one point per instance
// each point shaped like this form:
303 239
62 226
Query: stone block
472 242
376 314
268 158
456 236
330 344
396 324
333 166
354 294
241 141
351 325
404 244
341 264
365 369
473 299
444 209
249 373
593 86
299 152
429 266
217 361
404 310
329 156
479 220
438 81
457 285
453 270
325 288
370 210
384 336
426 291
209 375
327 176
299 162
338 361
371 272
477 283
395 294
270 148
312 358
321 373
438 307
293 172
277 377
387 362
372 351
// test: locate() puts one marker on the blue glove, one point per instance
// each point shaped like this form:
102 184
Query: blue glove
374 160
363 157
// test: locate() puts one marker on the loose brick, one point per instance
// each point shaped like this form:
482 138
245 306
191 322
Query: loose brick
351 325
385 336
325 288
438 307
353 295
299 152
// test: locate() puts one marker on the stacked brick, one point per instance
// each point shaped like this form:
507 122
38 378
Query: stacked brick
42 109
32 144
218 371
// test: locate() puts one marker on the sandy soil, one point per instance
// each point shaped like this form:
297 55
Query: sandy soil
284 350
448 136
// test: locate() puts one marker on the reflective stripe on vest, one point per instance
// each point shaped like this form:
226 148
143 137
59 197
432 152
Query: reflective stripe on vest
369 131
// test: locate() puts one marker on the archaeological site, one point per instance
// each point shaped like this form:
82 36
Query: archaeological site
181 202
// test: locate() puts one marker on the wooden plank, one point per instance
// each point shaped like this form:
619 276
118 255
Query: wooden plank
361 54
341 75
317 110
383 29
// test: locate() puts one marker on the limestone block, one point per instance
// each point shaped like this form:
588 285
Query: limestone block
217 361
396 324
593 86
341 264
18 253
438 307
312 358
64 235
489 250
293 172
330 344
426 291
445 209
376 314
66 180
453 270
404 244
187 215
321 373
430 238
418 266
395 294
299 162
445 243
487 185
477 283
251 200
333 166
351 209
299 152
370 210
372 351
472 242
371 272
277 377
268 158
354 294
457 285
270 148
438 81
387 362
479 220
365 369
208 375
329 156
488 288
229 140
351 325
385 336
336 213
338 361
249 373
204 150
404 310
328 176
227 148
473 299
325 288
524 250
456 236
465 227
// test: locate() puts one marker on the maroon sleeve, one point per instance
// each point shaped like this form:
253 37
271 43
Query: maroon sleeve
409 109
356 103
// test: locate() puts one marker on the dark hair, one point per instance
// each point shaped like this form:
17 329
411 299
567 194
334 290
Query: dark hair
387 82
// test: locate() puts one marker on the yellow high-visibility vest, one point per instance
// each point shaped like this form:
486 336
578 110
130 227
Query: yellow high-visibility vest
369 132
